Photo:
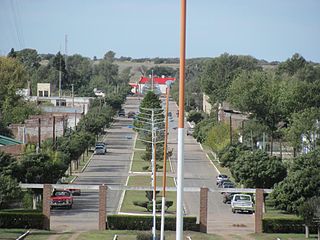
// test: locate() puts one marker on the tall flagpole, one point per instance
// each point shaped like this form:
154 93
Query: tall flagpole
180 184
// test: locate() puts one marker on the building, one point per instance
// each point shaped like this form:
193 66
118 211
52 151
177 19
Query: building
11 146
159 83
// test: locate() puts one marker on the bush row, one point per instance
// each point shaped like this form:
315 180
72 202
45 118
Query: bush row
284 225
129 222
21 219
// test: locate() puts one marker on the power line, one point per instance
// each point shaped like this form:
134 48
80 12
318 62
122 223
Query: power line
16 25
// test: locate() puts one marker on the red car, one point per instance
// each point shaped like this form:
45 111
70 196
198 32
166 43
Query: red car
61 198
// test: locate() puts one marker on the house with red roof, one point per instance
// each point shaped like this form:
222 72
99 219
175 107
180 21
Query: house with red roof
159 83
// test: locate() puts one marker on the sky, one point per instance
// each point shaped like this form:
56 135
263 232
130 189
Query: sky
266 29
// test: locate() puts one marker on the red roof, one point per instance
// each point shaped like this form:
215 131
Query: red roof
158 80
133 85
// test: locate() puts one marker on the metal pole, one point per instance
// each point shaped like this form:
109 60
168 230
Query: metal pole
54 132
39 134
154 199
179 223
153 177
72 95
230 120
164 178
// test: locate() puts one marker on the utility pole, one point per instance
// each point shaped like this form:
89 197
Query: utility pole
72 93
164 178
154 175
230 120
180 173
60 83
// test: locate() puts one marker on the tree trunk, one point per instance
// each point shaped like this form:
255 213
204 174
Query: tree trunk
318 232
307 231
34 201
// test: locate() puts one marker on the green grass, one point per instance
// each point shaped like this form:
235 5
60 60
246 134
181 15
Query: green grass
130 196
138 162
275 213
131 235
139 144
145 181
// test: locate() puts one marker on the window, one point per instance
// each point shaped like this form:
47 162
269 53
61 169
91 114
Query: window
40 93
46 93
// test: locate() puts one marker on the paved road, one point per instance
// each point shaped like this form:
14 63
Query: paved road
199 172
110 169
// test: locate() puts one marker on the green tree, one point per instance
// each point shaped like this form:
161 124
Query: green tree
258 93
202 129
109 56
310 212
258 170
12 77
161 70
304 128
292 65
29 58
9 190
38 168
150 101
220 72
301 184
195 117
219 136
229 154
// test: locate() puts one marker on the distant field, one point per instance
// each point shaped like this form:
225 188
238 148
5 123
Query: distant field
135 66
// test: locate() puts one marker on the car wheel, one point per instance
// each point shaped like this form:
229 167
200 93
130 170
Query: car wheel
233 211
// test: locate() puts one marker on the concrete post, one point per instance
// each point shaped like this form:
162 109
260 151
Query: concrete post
47 189
203 209
258 211
102 207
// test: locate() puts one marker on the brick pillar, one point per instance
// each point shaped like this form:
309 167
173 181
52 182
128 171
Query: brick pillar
102 207
203 209
47 189
258 211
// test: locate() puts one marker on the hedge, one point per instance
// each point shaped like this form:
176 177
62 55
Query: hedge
284 225
131 222
21 219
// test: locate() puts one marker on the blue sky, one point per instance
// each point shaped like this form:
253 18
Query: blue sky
271 30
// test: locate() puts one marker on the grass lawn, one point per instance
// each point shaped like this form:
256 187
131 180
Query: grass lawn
272 212
139 144
130 196
131 235
139 163
145 181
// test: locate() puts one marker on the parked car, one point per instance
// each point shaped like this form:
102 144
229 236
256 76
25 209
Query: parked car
242 203
101 148
61 198
74 191
221 177
227 197
131 114
190 131
121 113
220 185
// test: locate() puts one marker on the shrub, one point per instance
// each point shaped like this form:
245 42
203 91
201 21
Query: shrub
129 222
146 236
284 225
21 219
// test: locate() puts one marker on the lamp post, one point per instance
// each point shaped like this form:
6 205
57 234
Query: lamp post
153 131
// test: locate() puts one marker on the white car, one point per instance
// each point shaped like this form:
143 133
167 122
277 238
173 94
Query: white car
242 203
221 177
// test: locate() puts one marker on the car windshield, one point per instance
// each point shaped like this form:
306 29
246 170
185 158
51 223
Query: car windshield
243 198
62 193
